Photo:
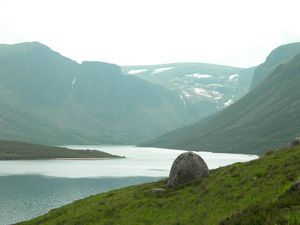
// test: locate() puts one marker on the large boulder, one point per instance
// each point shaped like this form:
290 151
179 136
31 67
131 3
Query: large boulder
187 167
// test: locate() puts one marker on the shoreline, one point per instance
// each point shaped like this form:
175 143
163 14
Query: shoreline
74 158
121 157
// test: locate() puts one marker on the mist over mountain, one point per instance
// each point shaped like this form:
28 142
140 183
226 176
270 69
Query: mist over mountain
48 98
203 88
266 118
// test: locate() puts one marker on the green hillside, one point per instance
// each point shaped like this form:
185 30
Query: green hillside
279 55
11 150
265 118
230 194
203 88
47 98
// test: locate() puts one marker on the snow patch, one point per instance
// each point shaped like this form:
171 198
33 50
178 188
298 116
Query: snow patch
199 76
132 72
159 70
217 95
202 92
213 94
73 83
214 85
228 103
182 98
233 77
185 94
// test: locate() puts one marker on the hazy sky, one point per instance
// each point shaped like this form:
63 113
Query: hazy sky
129 32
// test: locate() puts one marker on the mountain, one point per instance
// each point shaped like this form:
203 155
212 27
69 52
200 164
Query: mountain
256 192
50 99
203 88
279 55
265 118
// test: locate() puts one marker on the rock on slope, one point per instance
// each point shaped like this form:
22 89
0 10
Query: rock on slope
187 167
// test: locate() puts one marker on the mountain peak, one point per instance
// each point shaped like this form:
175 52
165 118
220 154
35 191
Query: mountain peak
34 44
279 55
8 50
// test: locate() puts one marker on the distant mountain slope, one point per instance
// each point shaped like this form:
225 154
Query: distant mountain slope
203 88
280 55
266 118
48 98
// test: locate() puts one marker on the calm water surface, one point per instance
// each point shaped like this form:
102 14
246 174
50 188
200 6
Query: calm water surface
139 161
31 188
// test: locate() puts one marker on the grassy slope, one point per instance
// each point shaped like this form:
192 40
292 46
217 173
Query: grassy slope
285 210
225 192
10 150
279 55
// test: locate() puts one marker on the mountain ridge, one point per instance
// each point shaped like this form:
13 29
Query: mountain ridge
50 99
279 55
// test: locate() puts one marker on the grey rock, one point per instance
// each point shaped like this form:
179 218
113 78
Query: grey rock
187 167
295 187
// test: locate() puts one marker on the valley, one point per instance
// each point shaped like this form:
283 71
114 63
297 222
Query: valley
47 98
203 88
265 118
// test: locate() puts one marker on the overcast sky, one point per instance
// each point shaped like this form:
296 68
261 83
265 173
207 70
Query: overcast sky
131 32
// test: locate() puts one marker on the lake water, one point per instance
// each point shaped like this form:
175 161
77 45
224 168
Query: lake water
31 188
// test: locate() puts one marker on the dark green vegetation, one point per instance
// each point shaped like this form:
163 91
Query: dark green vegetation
282 211
203 88
280 55
10 150
259 186
265 118
50 99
